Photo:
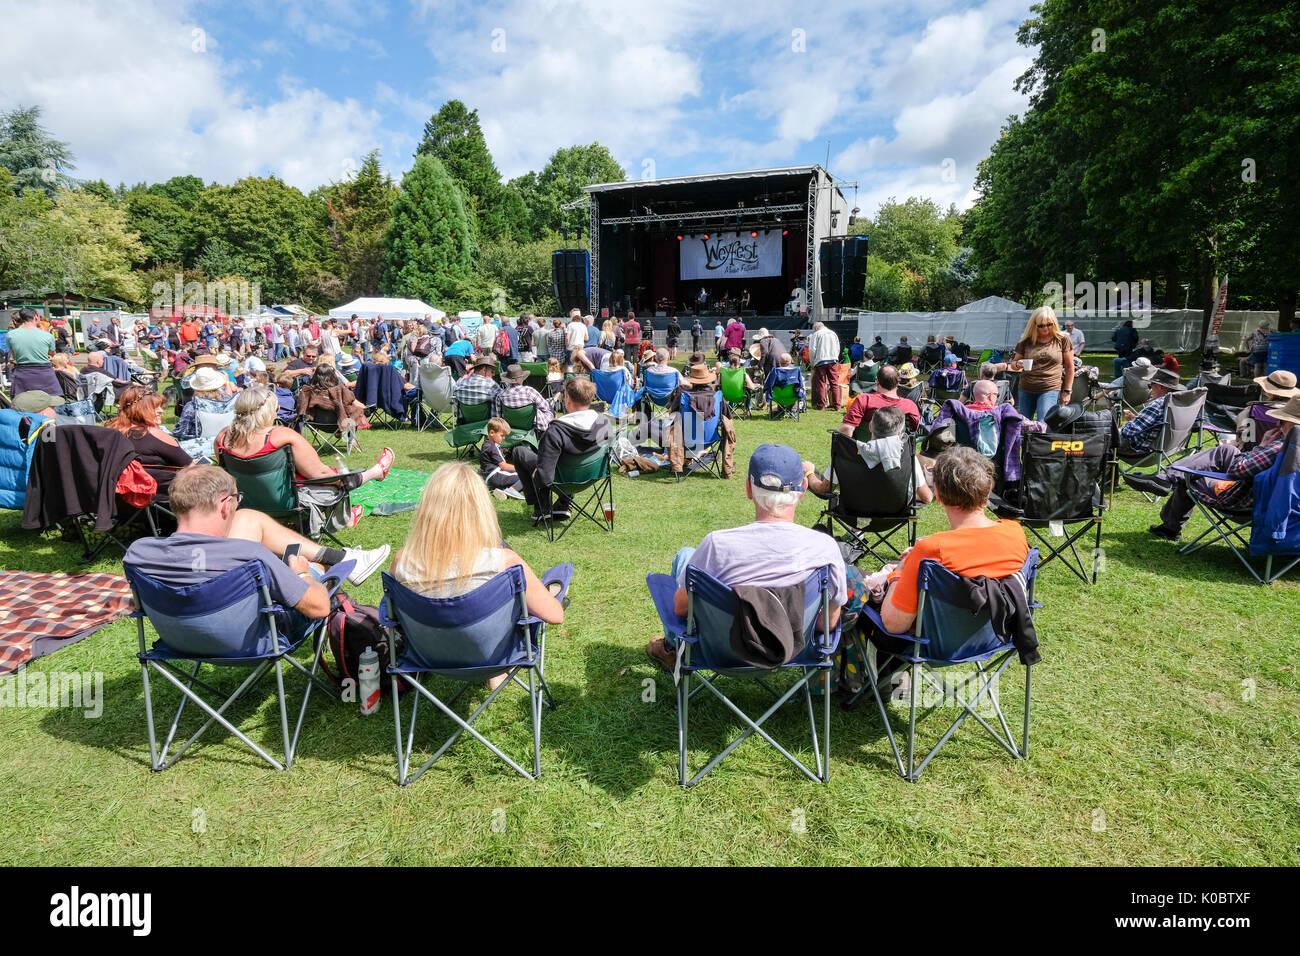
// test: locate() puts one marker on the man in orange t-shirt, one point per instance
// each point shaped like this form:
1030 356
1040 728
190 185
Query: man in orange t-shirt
976 544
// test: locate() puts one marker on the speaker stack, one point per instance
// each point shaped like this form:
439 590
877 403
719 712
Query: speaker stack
571 278
843 265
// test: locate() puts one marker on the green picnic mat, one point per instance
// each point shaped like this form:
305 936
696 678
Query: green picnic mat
399 492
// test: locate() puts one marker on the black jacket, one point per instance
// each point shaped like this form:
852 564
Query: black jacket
1007 605
767 630
75 472
565 437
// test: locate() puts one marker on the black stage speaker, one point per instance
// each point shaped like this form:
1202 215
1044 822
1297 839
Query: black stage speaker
571 278
843 266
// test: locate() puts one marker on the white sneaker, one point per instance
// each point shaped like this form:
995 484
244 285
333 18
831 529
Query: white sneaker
368 561
499 494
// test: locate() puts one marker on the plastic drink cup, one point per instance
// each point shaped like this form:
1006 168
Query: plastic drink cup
1026 364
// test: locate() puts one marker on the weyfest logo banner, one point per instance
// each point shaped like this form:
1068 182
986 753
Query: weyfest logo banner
731 255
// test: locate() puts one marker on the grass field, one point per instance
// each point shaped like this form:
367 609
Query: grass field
1166 720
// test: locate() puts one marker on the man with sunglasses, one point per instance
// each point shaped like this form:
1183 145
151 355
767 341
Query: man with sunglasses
214 535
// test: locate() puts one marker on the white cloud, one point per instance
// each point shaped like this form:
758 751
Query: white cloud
144 97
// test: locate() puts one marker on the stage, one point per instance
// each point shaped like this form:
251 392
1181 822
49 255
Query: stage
748 239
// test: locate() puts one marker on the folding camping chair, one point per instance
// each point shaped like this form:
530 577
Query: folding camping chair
1223 403
948 634
321 427
435 396
270 484
1182 415
657 388
371 382
468 639
731 382
1254 533
470 428
575 474
613 390
884 498
1134 392
536 374
702 438
520 421
704 653
227 621
94 531
1060 492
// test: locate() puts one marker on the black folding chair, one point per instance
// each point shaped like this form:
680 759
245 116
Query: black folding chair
884 498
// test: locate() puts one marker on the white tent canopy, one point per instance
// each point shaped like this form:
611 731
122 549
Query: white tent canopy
370 308
992 303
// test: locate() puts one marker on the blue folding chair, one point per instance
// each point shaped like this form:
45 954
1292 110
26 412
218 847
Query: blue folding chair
947 634
612 389
227 621
468 639
656 389
704 645
702 439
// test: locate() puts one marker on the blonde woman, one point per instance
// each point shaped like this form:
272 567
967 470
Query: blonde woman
1045 360
616 360
455 546
254 433
608 340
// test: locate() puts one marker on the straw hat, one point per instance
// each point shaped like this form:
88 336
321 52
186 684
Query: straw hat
206 379
1290 412
1278 384
700 375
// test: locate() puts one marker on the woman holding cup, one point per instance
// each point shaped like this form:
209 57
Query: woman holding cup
1045 360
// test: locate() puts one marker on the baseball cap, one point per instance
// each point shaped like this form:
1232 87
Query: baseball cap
36 400
776 468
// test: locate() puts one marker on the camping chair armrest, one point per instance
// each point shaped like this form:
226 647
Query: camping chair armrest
1214 475
349 480
827 641
561 574
873 615
662 589
336 575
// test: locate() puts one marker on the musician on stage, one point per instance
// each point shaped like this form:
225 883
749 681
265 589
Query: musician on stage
701 301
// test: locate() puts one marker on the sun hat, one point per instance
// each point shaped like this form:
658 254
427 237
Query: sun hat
206 379
1290 412
1060 417
776 468
700 375
485 361
1168 379
35 400
1278 384
515 373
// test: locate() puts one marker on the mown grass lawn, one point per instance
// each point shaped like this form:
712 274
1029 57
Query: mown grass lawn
1166 719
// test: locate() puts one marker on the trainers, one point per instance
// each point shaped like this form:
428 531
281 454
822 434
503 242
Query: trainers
499 494
368 561
562 513
512 493
663 655
385 462
1160 531
540 517
1148 483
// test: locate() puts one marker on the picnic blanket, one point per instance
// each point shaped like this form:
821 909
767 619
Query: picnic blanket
399 492
40 613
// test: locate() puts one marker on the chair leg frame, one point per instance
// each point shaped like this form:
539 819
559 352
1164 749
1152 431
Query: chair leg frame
1233 533
821 747
596 493
1076 566
539 693
880 539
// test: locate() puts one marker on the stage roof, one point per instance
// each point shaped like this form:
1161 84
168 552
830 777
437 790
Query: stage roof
712 177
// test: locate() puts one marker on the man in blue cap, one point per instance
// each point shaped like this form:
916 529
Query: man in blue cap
771 551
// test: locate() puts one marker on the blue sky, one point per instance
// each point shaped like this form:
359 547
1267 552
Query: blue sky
908 96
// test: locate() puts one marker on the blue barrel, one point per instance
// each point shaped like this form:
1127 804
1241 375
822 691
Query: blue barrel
1284 351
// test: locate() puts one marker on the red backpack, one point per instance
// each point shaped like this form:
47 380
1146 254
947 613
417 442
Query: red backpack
501 346
352 628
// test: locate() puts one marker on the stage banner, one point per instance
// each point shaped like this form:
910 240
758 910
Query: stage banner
731 255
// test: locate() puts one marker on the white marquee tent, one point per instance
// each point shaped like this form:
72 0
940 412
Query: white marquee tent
369 308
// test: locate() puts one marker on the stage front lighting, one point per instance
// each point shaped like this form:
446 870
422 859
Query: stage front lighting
706 237
785 232
679 238
753 234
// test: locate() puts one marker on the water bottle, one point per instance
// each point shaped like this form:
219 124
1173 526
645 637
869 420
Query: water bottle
368 674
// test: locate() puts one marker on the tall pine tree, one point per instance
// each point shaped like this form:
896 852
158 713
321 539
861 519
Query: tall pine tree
430 240
453 135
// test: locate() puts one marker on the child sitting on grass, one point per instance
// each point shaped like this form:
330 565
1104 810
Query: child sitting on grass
499 474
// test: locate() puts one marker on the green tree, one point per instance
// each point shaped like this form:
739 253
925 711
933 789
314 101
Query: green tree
522 270
279 235
453 135
163 227
182 190
360 211
34 158
430 240
561 181
914 233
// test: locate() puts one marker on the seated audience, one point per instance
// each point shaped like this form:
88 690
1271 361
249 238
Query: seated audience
499 474
1236 493
617 361
785 373
455 546
659 365
517 394
254 433
579 431
479 385
208 385
139 418
1138 435
209 522
983 396
773 550
887 438
885 396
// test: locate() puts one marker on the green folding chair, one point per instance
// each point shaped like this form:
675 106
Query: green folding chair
732 381
785 401
576 474
470 429
520 421
269 483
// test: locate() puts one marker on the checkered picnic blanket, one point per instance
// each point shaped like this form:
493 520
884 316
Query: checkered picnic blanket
40 613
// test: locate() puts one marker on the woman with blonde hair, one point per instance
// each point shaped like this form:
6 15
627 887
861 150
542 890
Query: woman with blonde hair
608 340
455 546
254 433
617 360
1045 360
